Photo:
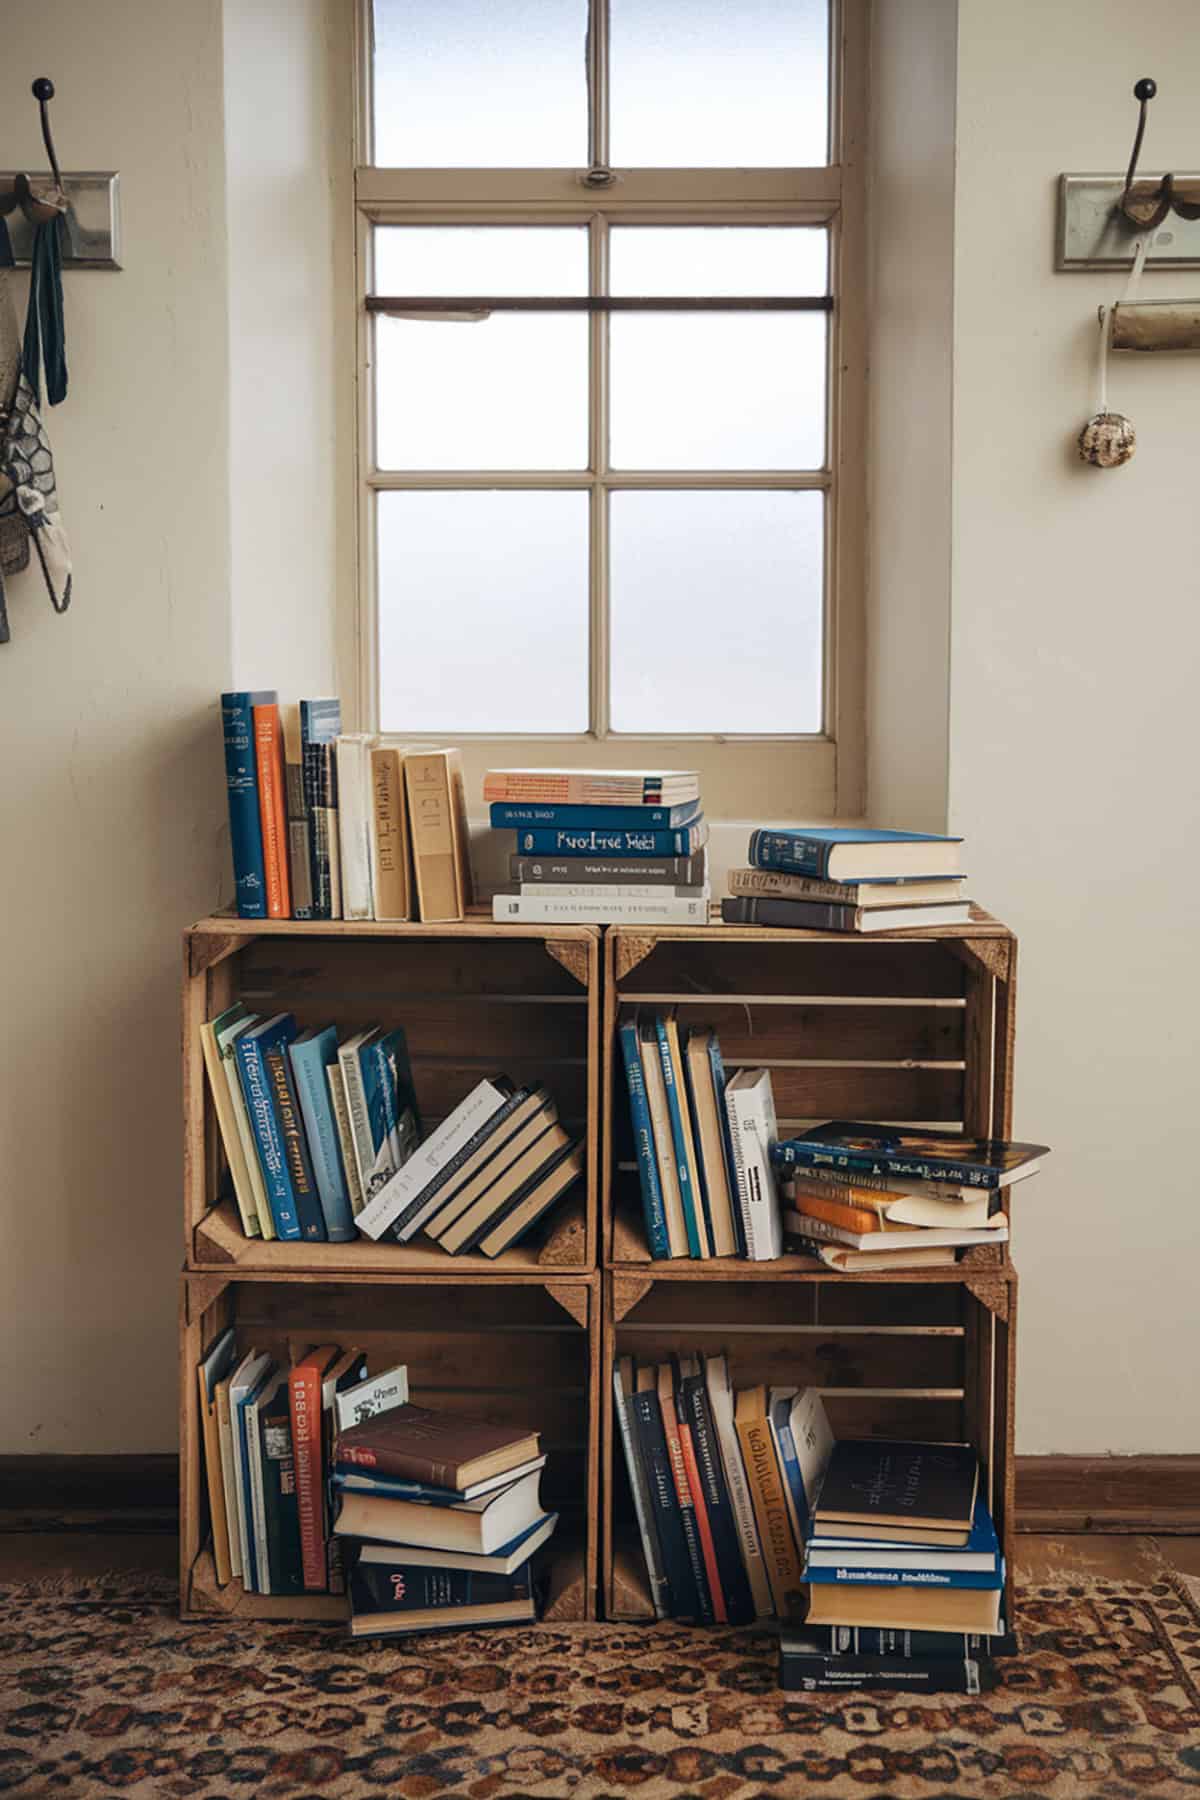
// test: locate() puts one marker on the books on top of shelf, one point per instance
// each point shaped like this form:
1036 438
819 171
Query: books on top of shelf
896 890
829 915
944 1156
803 1223
600 907
606 819
327 824
631 876
854 853
591 787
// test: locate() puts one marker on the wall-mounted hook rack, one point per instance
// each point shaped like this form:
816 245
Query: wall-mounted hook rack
1102 217
86 201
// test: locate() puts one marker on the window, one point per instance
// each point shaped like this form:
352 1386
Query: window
611 387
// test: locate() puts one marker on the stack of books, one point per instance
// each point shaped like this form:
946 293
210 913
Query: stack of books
702 1142
327 824
722 1485
601 846
442 1515
862 1197
323 1140
899 1544
845 878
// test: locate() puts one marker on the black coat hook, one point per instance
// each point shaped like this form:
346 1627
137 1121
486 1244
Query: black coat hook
43 93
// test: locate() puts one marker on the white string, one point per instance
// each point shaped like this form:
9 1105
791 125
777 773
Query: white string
1107 316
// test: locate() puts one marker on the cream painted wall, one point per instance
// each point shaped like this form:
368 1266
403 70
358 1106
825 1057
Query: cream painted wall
112 804
1074 649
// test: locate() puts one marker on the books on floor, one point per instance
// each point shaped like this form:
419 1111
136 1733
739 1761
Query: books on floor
865 1197
302 1502
701 1142
600 846
848 878
324 1141
327 824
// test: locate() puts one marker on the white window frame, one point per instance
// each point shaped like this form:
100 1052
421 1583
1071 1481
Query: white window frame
762 775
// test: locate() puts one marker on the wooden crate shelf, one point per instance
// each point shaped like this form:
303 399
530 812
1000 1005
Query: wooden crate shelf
523 1349
892 1358
901 1027
473 998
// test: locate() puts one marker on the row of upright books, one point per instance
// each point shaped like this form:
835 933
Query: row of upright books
323 1478
878 1558
327 824
323 1141
848 878
600 846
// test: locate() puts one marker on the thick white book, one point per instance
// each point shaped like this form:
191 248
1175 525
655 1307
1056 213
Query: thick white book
750 1104
605 891
527 909
355 807
356 1105
720 1400
427 1161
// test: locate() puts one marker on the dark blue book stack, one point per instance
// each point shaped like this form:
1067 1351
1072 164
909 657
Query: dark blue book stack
600 846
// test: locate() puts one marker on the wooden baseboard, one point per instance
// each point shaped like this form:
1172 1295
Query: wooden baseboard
1158 1495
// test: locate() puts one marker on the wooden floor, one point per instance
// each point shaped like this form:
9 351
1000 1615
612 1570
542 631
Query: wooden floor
26 1555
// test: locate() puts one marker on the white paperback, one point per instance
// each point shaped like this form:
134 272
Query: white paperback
355 806
427 1161
750 1105
377 1394
670 910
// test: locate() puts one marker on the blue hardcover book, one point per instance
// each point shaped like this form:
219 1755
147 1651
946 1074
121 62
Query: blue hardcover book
391 1102
895 1150
251 1052
241 779
643 1136
594 818
843 1575
851 853
558 840
716 1064
681 1140
789 1462
310 1055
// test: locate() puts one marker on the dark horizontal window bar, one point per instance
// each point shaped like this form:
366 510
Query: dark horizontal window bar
392 303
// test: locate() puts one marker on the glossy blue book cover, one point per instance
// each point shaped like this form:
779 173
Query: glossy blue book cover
391 1113
717 1065
563 841
310 1055
507 817
789 1462
643 1137
241 781
807 851
676 1100
250 1050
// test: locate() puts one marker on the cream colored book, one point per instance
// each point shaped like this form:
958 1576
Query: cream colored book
216 1041
437 817
390 852
341 1119
664 1148
905 1607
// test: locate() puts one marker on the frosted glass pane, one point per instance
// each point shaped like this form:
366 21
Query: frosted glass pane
716 611
481 259
483 612
476 84
707 84
507 392
718 390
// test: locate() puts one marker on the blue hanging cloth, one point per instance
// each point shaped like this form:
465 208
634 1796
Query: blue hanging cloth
45 332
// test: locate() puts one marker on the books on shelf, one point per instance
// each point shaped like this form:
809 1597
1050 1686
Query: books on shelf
591 787
707 1184
323 1141
829 915
292 1492
889 1150
854 853
326 824
848 878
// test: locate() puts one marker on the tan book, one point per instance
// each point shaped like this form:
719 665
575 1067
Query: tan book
710 1143
225 1108
493 1159
866 894
539 1200
685 1128
437 1618
216 1366
390 853
664 1148
437 816
495 1194
440 1449
905 1607
780 1551
228 1482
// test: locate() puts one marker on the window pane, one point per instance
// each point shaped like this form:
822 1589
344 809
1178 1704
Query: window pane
716 611
706 84
506 392
472 84
718 390
483 612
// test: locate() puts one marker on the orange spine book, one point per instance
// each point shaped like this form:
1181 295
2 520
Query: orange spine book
304 1406
707 1547
835 1212
272 809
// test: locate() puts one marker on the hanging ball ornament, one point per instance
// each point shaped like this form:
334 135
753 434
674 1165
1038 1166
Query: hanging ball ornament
1107 440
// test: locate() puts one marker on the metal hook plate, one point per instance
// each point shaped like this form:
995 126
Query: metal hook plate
1092 234
93 222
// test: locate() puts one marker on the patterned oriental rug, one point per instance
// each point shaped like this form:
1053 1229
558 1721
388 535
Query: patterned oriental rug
104 1692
